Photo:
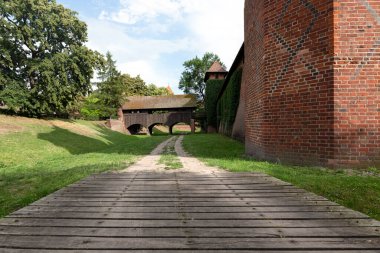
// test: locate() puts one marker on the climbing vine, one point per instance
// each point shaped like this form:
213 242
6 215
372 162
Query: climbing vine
229 103
213 88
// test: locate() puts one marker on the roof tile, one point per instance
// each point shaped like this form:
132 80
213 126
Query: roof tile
160 102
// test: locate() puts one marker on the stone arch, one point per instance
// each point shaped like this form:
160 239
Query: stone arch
151 126
135 128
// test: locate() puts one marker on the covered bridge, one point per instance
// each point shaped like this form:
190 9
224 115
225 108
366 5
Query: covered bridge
149 111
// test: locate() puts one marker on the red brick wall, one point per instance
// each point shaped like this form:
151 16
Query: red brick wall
289 76
312 78
254 77
357 82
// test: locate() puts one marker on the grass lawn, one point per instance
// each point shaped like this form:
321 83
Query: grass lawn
357 190
41 156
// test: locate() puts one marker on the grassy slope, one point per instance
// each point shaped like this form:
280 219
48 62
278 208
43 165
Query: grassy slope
39 156
359 191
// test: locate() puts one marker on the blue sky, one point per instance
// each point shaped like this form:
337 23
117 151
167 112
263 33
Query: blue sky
152 38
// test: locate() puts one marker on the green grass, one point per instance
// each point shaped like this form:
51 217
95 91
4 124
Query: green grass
359 190
45 156
169 157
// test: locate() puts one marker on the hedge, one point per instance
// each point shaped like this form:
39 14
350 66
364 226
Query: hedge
229 103
213 88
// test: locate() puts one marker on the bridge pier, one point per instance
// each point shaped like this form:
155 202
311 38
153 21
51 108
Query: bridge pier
192 126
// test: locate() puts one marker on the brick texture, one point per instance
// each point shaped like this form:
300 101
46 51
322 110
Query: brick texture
357 82
312 81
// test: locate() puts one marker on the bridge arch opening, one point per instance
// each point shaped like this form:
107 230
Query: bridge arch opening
136 129
181 128
158 129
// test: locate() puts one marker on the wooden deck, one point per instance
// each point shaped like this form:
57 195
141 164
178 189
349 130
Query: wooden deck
186 212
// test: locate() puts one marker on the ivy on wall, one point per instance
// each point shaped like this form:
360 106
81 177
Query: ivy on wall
213 88
228 104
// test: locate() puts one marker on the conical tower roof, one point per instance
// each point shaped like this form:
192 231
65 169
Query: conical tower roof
216 67
216 71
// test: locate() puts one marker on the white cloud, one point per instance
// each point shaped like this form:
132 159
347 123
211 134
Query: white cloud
217 26
140 34
133 55
133 11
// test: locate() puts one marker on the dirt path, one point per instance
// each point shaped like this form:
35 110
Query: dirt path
150 163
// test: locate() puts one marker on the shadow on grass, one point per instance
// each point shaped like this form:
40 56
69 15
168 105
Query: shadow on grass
110 142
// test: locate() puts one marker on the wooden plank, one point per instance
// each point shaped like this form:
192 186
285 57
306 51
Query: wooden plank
327 232
195 216
102 243
201 203
199 209
8 250
262 199
199 192
194 192
189 223
183 195
176 179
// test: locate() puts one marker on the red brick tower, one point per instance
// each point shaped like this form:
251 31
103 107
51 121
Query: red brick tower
312 77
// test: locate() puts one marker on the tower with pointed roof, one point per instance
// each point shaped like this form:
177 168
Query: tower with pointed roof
216 72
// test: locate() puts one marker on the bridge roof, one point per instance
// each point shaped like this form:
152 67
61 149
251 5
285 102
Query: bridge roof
160 102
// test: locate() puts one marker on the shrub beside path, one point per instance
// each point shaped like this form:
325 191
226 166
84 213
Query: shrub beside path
147 208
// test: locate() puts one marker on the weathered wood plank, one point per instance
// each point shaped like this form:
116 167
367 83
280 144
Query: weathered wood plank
96 243
230 223
327 232
187 199
183 195
186 209
184 251
44 202
195 216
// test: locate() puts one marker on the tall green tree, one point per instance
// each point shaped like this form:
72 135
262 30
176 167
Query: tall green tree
109 69
44 63
112 89
192 78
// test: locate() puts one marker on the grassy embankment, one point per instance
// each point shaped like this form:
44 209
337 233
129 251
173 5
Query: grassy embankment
41 156
359 190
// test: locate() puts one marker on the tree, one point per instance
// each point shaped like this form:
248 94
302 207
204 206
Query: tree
111 89
192 79
108 70
153 90
133 86
44 63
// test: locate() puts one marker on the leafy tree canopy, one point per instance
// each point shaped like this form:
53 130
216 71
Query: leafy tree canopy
113 90
192 78
44 63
